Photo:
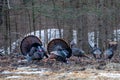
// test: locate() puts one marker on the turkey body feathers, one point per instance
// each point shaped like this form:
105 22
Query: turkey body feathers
97 53
78 52
108 53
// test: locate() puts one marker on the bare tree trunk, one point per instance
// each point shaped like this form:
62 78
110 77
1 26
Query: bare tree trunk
46 30
95 36
101 27
16 27
79 24
63 19
45 37
79 32
33 17
40 22
82 30
68 26
27 14
117 20
29 21
1 8
56 18
40 25
85 34
7 24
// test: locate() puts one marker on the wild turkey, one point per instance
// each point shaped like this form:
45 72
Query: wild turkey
31 48
59 50
36 52
59 54
97 53
77 52
109 53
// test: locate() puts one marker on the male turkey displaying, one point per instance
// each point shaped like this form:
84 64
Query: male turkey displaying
59 50
59 54
31 47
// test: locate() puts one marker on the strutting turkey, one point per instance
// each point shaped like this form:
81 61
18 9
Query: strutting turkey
77 52
31 47
59 50
60 54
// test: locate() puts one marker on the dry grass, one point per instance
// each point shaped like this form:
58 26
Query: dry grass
75 70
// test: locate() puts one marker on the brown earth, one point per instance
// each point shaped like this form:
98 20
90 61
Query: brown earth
15 67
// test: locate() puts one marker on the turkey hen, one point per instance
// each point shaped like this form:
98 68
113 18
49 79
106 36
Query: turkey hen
77 52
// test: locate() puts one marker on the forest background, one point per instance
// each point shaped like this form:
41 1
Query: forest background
20 17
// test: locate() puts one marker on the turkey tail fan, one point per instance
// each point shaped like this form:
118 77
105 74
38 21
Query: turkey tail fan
27 42
59 42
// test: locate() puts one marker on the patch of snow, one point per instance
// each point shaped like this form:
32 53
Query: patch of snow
111 75
24 72
30 72
23 68
19 61
6 72
91 39
31 69
12 77
27 71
